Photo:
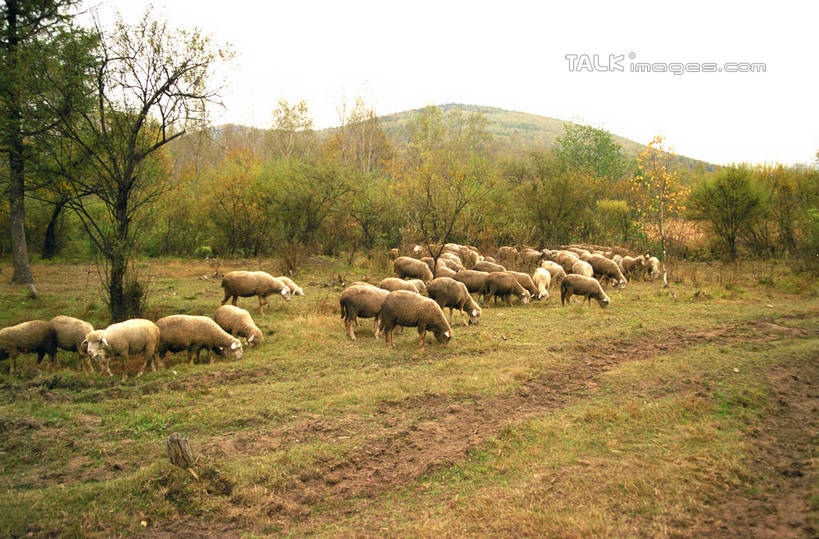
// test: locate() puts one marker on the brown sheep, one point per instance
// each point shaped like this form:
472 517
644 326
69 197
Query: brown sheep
71 333
410 268
633 267
247 284
454 294
362 302
193 334
135 336
419 284
393 283
34 337
508 256
452 261
406 309
475 281
525 280
582 268
555 270
543 280
488 267
504 285
566 259
238 323
295 289
580 285
605 269
530 258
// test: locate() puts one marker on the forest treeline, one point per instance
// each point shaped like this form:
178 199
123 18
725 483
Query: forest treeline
108 154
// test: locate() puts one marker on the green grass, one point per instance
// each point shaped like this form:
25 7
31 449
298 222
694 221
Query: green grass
642 446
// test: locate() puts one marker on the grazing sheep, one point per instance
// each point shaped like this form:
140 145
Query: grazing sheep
406 267
474 280
135 336
362 302
180 332
633 267
543 280
419 284
580 285
452 261
606 269
402 308
489 267
555 270
247 284
525 280
394 283
34 337
443 271
429 261
295 289
582 268
567 260
238 323
504 285
653 266
71 333
508 256
530 258
454 294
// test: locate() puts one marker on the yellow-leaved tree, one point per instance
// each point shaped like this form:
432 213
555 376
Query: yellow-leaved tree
657 188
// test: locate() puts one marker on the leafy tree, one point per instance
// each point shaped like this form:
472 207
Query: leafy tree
360 139
292 134
731 204
33 36
657 187
148 84
590 150
446 176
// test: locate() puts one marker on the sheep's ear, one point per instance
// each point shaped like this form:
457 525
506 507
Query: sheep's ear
446 334
234 345
251 338
104 341
474 312
285 290
84 345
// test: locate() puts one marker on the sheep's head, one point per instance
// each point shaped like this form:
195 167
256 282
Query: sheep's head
234 350
623 282
526 297
255 338
286 294
443 335
604 301
475 315
543 295
96 346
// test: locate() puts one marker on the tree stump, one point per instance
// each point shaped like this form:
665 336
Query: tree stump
179 452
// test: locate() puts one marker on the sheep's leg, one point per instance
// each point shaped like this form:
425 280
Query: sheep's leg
227 297
388 336
377 326
11 362
124 366
422 337
87 362
210 356
450 316
464 317
348 326
262 303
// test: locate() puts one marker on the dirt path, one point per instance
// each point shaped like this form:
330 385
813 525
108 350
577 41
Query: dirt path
409 450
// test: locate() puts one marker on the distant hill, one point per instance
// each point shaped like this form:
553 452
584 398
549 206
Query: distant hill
518 129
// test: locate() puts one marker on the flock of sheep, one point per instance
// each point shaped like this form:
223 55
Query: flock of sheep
415 298
152 340
461 271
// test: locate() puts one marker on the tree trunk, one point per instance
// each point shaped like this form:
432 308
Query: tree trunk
50 246
14 142
118 258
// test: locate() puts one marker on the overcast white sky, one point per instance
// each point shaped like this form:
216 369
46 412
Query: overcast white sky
400 56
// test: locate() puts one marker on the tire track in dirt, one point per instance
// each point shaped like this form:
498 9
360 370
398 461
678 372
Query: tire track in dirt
404 453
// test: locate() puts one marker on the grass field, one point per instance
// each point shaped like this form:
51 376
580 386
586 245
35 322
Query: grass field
685 411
